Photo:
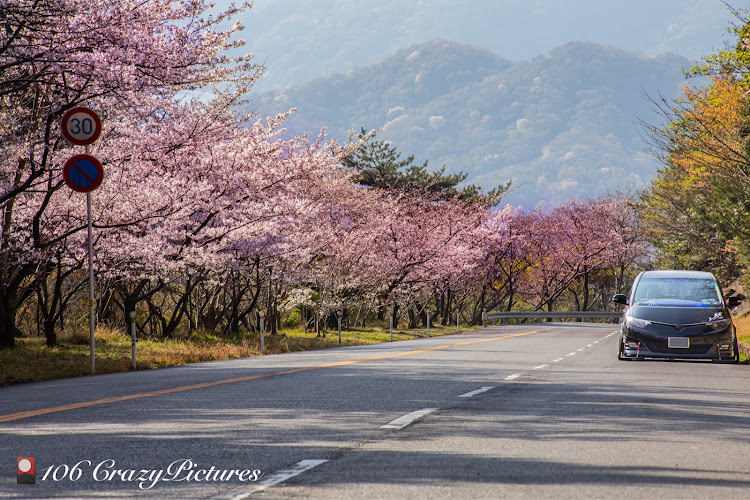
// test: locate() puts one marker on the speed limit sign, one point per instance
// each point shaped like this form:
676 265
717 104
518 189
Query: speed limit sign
81 126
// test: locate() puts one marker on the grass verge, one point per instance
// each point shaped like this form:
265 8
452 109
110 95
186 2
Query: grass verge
32 361
743 334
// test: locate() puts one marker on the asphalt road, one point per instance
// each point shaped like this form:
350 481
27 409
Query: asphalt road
532 411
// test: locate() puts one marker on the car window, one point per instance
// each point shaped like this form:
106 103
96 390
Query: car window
677 292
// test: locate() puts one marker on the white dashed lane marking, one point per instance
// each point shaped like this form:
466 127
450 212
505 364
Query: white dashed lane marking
476 391
407 419
280 476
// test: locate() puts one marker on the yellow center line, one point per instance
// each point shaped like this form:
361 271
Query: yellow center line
85 404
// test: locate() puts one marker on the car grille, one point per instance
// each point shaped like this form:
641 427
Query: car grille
660 345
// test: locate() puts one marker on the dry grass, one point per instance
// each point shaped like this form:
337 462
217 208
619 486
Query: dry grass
33 361
743 329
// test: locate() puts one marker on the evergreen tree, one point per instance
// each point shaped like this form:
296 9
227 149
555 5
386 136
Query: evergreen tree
378 165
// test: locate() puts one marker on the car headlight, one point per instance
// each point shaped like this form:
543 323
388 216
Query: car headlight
637 322
720 324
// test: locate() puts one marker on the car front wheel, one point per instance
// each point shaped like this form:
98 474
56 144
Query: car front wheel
621 353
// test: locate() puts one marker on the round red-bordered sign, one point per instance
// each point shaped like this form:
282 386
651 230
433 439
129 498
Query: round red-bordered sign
83 173
81 126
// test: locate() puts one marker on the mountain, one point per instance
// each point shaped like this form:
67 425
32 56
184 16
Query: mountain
560 126
298 40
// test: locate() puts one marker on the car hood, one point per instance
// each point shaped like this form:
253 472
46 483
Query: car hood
677 315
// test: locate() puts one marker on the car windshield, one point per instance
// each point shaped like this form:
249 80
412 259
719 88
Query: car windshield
684 292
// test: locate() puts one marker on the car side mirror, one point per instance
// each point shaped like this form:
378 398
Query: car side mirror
620 298
734 301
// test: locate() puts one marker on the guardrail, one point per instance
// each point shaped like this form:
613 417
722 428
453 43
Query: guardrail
550 315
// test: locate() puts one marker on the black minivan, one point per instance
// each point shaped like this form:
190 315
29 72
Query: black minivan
677 314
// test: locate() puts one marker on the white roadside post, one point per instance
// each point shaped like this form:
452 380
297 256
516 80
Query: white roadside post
132 337
262 316
458 327
338 317
428 321
83 173
391 322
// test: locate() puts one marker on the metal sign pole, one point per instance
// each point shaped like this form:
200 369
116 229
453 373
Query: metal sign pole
92 303
83 173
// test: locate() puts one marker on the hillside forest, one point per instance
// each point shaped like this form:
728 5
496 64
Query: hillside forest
560 126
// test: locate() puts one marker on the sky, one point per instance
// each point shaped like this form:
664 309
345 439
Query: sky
298 40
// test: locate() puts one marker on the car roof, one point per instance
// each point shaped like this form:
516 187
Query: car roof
671 274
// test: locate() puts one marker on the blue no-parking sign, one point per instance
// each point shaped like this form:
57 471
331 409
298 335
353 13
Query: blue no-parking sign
83 173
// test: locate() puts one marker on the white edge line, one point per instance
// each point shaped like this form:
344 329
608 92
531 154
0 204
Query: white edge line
281 476
407 419
473 393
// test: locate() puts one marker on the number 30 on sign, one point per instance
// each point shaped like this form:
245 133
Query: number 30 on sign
81 126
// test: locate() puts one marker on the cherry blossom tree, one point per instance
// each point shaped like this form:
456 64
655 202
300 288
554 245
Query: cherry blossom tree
571 244
230 198
128 60
423 243
213 217
505 260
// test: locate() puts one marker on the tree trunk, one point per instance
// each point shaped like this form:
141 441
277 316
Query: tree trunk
446 299
180 308
8 330
550 307
586 287
139 293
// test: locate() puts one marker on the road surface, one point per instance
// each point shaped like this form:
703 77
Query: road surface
525 411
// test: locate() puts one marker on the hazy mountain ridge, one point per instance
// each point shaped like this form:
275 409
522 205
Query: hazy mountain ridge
298 40
560 126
